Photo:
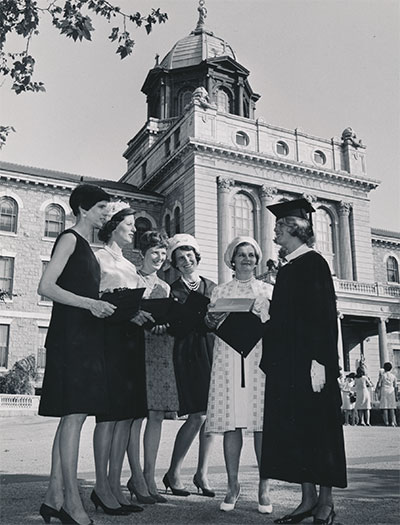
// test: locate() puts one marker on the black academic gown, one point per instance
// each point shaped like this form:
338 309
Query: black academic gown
302 436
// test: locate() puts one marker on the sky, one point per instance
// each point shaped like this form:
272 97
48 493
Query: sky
319 65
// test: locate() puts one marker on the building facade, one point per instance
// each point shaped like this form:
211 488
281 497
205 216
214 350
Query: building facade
203 164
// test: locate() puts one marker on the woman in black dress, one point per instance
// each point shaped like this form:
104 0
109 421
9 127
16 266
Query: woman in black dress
74 384
192 363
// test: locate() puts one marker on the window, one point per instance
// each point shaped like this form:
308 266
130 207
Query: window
185 98
319 157
282 148
223 101
167 221
242 139
41 351
396 362
54 221
8 215
44 266
94 236
177 220
392 269
177 139
242 215
168 147
144 171
7 274
4 342
142 225
323 229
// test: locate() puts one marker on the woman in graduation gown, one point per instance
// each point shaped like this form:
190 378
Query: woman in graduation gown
236 398
303 436
192 356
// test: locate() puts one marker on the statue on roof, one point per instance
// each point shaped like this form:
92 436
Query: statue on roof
202 14
349 137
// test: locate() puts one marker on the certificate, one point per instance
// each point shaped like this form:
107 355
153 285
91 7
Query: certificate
240 304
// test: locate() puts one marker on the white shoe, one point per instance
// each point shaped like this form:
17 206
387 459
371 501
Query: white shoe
227 507
265 509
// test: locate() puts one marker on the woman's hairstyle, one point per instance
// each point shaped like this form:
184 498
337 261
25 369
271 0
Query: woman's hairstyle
86 196
152 239
237 249
387 366
300 228
360 371
105 232
185 249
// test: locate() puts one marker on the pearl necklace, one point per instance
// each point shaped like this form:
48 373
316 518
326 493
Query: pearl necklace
192 285
243 281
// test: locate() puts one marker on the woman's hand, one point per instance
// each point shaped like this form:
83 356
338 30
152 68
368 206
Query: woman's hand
142 317
101 308
213 319
159 329
318 378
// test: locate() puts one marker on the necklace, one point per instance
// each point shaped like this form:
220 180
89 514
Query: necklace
244 280
192 285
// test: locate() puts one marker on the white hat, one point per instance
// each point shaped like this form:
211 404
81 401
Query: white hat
113 207
182 239
239 240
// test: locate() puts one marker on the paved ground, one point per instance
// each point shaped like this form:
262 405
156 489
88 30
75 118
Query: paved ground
371 498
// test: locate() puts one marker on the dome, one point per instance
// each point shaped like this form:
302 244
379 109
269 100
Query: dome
200 45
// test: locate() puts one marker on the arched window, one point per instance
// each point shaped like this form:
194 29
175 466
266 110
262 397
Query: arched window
167 224
54 221
8 215
177 220
392 269
142 225
324 239
223 101
242 215
184 99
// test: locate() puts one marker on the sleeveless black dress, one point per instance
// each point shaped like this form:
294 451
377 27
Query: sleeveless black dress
74 380
193 356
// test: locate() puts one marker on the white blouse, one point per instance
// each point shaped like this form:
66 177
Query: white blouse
116 270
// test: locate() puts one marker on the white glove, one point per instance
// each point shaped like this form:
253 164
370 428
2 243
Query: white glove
318 378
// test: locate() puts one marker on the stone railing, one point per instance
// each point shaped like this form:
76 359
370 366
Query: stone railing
19 402
360 288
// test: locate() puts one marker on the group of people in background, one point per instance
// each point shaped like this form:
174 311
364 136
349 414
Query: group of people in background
133 373
358 396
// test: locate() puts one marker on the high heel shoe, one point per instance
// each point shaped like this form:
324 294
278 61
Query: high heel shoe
64 517
48 512
146 500
131 508
205 492
296 518
328 520
175 492
158 498
227 507
119 511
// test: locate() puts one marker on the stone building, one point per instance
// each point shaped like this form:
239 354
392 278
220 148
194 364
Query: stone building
204 164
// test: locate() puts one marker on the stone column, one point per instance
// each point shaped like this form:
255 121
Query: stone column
340 341
267 223
383 349
240 97
346 264
162 100
224 186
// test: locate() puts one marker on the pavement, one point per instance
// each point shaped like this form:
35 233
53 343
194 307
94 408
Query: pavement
372 496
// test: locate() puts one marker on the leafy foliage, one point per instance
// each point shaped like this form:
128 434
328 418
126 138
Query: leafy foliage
72 19
19 379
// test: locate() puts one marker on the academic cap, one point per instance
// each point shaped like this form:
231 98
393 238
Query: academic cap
298 208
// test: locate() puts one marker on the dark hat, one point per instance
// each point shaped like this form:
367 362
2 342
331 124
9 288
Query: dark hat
297 208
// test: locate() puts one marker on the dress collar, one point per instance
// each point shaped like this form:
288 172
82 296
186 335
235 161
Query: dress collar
301 250
116 252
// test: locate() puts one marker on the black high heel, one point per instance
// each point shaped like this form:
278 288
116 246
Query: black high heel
147 500
175 492
205 492
64 517
296 518
131 508
329 519
119 511
48 512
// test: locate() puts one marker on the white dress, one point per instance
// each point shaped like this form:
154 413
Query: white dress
230 405
388 383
